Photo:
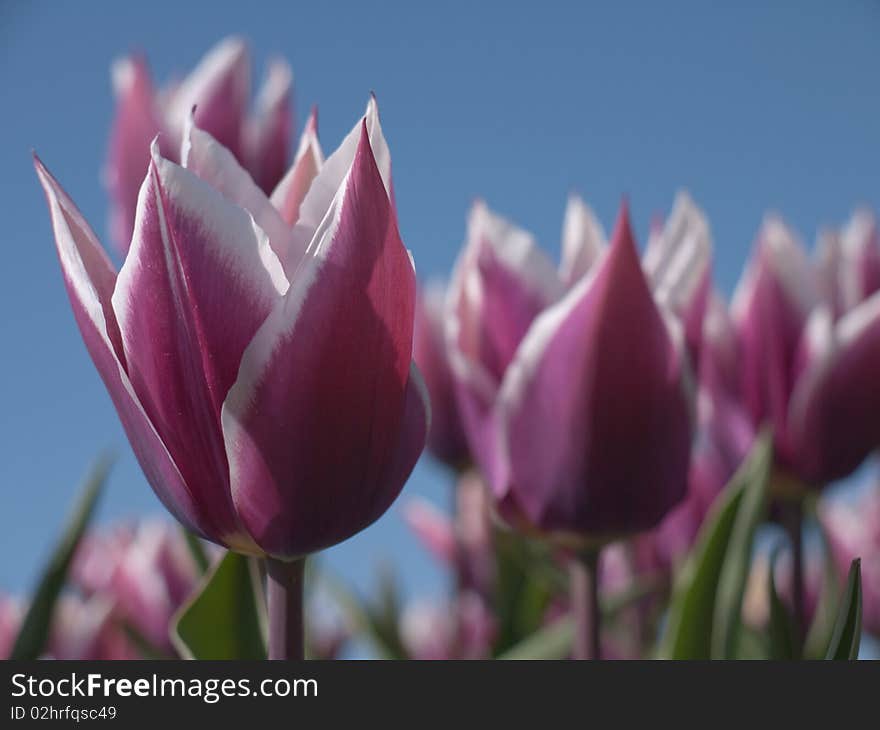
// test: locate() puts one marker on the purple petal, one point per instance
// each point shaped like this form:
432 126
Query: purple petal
212 162
447 438
199 280
583 241
770 309
850 263
600 377
678 264
219 88
291 191
270 128
136 122
835 410
90 280
326 420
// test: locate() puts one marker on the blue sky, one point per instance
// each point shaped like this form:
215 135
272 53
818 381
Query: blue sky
749 107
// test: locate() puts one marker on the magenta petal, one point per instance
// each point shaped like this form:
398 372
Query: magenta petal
90 279
850 263
598 379
583 241
291 191
213 163
770 309
325 420
447 438
135 124
219 89
269 130
199 280
835 410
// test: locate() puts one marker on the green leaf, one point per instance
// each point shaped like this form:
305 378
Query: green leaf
551 642
848 627
32 637
197 550
819 636
223 620
783 641
753 479
704 600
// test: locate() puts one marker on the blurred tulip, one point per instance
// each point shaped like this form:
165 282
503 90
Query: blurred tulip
85 629
462 543
464 630
723 439
503 281
446 439
601 376
219 88
853 530
229 341
147 573
805 371
11 614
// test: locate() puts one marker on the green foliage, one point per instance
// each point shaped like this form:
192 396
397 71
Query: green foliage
705 612
224 619
848 628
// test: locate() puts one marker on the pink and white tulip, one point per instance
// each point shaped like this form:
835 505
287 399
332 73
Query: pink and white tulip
219 89
809 342
262 370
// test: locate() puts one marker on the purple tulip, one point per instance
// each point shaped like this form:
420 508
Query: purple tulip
262 372
446 440
600 376
85 629
147 573
220 89
809 353
853 530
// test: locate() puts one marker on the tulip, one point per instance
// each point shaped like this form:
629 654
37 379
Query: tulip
220 89
85 629
853 530
464 630
229 339
809 355
446 440
11 615
503 281
147 572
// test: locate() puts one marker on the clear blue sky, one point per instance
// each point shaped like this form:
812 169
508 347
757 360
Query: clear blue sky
750 107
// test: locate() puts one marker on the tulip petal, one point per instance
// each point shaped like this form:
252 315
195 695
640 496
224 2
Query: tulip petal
90 279
849 263
835 409
770 308
204 156
600 376
677 263
219 88
502 281
447 439
326 184
199 280
136 122
318 425
583 241
269 130
290 192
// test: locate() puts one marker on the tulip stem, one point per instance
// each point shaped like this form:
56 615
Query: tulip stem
284 601
792 520
584 586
